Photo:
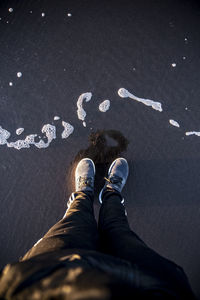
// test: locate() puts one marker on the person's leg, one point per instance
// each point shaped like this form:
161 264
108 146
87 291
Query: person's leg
78 228
117 238
115 234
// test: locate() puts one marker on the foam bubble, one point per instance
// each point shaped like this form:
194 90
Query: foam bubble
80 111
173 65
123 93
4 135
19 131
69 15
43 14
10 9
68 129
19 74
104 106
174 123
10 84
56 118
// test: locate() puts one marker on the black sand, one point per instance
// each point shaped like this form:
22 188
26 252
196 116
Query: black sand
95 51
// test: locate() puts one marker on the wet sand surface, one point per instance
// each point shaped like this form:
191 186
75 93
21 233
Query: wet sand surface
65 49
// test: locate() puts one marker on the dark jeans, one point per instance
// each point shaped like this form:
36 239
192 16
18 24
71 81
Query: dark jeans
78 230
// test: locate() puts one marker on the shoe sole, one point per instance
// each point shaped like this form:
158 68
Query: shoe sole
100 194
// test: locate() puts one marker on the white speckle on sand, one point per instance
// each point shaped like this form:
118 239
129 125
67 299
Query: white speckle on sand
185 39
123 93
104 106
84 124
19 74
10 9
186 108
69 15
80 111
134 69
68 129
56 118
184 57
7 22
174 123
4 135
31 11
10 84
193 132
19 131
173 65
43 14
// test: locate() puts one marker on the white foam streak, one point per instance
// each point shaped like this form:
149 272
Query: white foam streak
48 129
174 123
193 132
19 144
123 93
80 111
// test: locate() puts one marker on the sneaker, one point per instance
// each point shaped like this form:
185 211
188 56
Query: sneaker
117 176
84 176
84 179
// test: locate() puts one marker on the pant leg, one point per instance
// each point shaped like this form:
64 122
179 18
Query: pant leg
77 229
117 239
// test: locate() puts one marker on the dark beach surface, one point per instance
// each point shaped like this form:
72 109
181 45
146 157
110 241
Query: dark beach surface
151 48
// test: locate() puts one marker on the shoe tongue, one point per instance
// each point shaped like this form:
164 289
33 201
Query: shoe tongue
115 179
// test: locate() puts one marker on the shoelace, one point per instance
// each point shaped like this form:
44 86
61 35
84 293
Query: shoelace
114 180
85 181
